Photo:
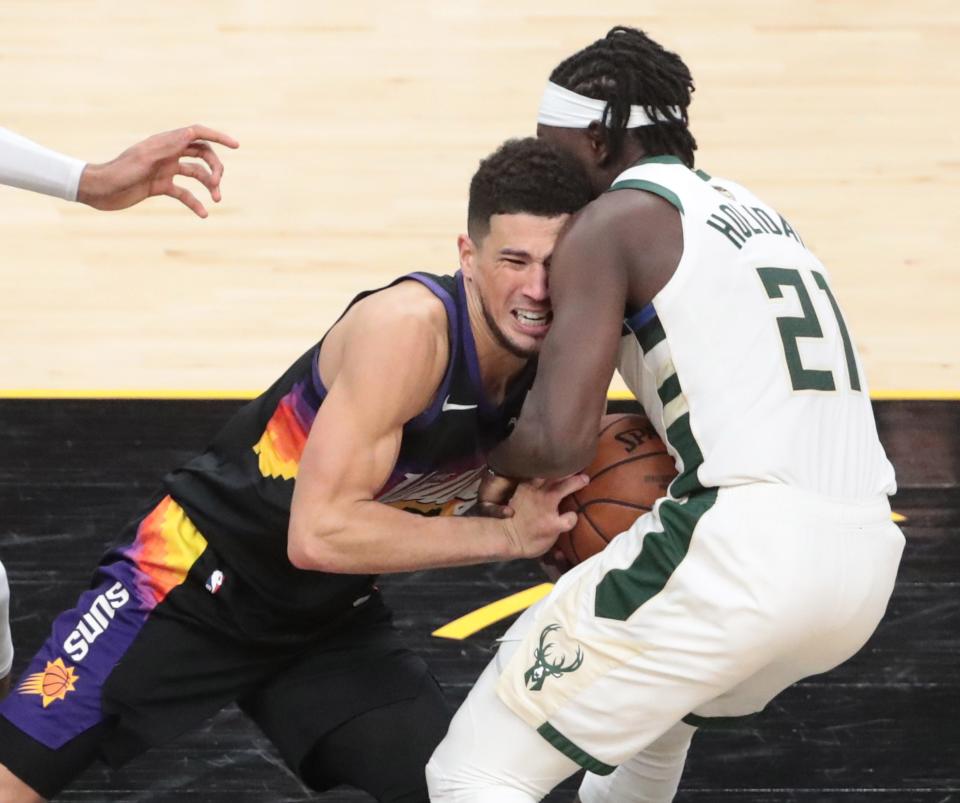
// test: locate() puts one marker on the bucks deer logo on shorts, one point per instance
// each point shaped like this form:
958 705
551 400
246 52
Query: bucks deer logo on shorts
544 667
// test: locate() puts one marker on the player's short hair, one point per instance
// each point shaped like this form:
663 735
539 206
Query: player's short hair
627 68
525 176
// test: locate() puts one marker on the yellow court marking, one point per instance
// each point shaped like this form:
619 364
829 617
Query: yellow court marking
475 621
898 517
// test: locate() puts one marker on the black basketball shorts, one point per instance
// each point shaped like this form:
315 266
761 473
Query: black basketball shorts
164 639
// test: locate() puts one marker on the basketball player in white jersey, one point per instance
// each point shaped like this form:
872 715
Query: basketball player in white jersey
773 555
142 171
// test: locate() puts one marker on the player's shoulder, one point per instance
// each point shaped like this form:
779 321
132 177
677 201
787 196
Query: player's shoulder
626 217
400 328
407 305
394 339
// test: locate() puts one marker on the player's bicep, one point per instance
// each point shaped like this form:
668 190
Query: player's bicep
351 447
387 378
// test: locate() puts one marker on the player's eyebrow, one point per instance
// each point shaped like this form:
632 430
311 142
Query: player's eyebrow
514 252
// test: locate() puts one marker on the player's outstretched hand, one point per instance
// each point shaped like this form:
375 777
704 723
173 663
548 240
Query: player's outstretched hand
148 169
536 522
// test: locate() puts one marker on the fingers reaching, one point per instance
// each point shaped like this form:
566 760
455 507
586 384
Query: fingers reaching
187 199
147 168
200 150
212 135
569 485
201 174
194 142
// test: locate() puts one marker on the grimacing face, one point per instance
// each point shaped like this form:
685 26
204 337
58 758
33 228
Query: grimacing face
508 274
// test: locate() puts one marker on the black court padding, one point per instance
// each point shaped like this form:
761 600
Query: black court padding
883 727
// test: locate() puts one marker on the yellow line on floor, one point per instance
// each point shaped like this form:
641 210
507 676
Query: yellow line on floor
483 617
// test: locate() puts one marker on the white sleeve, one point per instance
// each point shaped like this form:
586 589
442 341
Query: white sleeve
30 166
6 643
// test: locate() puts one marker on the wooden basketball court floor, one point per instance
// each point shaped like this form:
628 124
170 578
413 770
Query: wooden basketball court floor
882 727
360 126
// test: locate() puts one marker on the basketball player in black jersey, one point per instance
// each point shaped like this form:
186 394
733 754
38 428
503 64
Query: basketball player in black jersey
249 577
142 171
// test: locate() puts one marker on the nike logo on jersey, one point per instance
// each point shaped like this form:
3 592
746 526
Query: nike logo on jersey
448 405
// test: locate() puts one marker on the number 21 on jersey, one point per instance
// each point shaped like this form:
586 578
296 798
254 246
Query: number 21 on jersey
808 326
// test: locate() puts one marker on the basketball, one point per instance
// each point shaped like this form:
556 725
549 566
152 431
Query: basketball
631 471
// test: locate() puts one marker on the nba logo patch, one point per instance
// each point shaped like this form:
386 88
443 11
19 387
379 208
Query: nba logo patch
214 581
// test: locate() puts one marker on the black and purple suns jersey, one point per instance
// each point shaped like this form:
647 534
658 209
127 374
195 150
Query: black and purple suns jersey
238 492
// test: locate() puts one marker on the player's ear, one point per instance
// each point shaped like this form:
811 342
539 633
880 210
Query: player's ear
599 148
468 254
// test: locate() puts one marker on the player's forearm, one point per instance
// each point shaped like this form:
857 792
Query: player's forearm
372 538
29 166
523 456
538 449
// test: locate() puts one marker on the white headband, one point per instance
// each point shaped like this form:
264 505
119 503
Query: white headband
562 108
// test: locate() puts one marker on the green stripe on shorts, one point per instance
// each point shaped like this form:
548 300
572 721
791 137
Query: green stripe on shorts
681 438
621 592
571 751
717 722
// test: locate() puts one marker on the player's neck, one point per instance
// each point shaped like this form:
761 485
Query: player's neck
631 154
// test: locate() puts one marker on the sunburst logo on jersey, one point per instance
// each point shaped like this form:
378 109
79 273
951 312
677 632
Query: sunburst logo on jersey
53 683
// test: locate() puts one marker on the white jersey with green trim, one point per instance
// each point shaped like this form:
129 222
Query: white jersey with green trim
743 361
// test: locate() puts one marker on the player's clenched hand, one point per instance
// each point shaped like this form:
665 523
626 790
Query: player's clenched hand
148 169
536 522
493 498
